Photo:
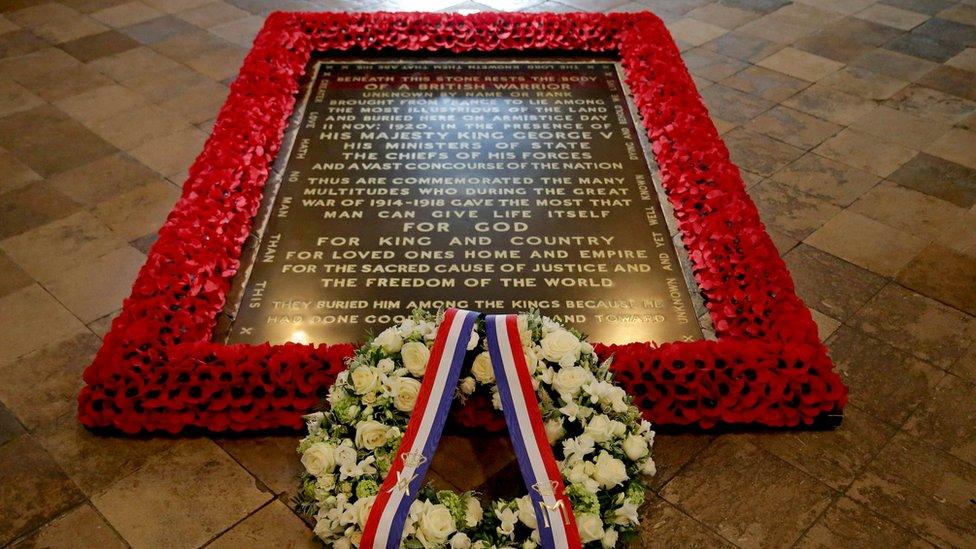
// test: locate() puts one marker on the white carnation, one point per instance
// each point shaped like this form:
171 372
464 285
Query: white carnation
610 471
526 513
473 512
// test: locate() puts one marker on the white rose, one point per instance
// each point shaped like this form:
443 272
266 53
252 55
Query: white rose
390 340
435 525
405 394
363 507
371 434
467 385
590 527
610 538
365 379
481 368
649 468
560 346
569 380
555 430
345 455
610 471
473 512
473 339
635 446
531 359
526 513
415 356
460 541
599 428
319 459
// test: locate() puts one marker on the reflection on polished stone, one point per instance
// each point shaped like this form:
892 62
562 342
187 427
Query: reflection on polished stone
485 185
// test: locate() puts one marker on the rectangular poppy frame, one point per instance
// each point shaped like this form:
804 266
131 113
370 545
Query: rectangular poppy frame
158 369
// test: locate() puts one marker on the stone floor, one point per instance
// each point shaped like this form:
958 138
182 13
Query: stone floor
854 122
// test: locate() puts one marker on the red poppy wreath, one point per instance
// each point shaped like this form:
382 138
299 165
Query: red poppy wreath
158 369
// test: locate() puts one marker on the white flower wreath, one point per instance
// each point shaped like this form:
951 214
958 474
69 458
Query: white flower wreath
601 444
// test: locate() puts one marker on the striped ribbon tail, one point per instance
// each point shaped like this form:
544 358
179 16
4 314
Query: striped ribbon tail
384 527
554 514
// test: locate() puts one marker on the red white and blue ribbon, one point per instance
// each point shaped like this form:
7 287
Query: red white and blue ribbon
554 514
384 527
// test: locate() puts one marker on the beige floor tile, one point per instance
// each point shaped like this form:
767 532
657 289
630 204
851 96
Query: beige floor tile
790 211
965 367
271 459
140 211
140 62
892 16
88 293
37 64
707 490
886 383
212 14
945 274
183 497
830 104
835 457
241 31
31 319
850 524
899 127
800 64
948 419
43 385
101 103
664 525
7 26
778 32
932 104
865 152
174 6
792 126
961 237
932 331
956 145
15 174
866 243
274 525
67 82
129 129
894 64
768 84
825 324
16 98
56 22
694 32
758 153
219 64
80 527
908 210
94 461
32 488
826 179
922 489
672 451
864 83
172 155
49 250
966 60
129 13
960 13
829 284
12 278
197 103
101 326
103 179
724 16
